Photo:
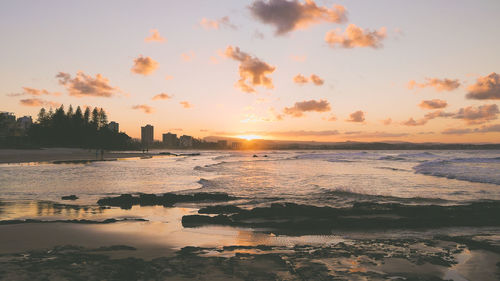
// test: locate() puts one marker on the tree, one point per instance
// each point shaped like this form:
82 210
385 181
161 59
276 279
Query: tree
69 114
95 118
103 119
78 116
42 115
86 116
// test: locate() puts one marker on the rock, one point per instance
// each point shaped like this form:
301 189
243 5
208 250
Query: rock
69 197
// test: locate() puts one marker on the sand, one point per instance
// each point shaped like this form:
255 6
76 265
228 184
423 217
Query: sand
60 154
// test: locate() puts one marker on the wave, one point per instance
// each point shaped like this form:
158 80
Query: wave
465 169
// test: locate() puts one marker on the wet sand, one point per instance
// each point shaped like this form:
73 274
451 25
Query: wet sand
60 154
58 251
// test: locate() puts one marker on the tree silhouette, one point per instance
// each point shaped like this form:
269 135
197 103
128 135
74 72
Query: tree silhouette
74 129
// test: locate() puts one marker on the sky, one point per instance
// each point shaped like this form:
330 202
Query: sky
419 71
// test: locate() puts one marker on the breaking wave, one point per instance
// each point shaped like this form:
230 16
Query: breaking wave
482 170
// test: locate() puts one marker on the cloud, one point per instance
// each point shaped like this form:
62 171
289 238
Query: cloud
483 129
413 122
38 102
331 118
301 79
358 116
453 131
33 92
155 36
387 121
438 113
145 108
471 115
186 104
355 36
287 16
189 56
317 80
376 134
485 88
253 71
433 104
169 77
144 65
83 85
216 24
162 96
478 115
306 106
439 84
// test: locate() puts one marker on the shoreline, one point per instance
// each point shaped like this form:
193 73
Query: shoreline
61 155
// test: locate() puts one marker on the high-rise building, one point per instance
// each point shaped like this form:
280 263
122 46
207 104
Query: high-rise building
170 139
236 145
113 126
222 143
186 141
147 134
7 124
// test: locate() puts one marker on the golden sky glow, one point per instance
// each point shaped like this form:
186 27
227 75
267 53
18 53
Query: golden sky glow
271 69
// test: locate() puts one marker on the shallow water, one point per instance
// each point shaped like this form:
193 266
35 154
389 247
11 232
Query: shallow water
320 178
299 176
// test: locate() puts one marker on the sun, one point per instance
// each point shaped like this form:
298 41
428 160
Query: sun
249 137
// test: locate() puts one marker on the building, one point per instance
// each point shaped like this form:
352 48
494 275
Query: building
222 143
236 145
147 135
114 127
186 141
7 124
170 140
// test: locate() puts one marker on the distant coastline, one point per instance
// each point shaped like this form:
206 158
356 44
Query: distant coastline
23 155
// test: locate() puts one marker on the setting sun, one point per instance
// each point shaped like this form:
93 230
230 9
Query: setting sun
249 137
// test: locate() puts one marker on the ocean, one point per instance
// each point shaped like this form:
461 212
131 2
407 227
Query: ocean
284 200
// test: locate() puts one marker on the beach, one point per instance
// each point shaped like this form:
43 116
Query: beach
230 215
60 154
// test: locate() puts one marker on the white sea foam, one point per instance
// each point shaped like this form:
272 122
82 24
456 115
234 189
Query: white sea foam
483 170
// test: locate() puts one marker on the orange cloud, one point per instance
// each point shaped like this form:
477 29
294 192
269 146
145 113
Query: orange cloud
358 116
300 79
216 24
33 92
287 16
144 65
413 122
483 129
355 36
485 88
253 71
145 108
162 96
315 79
38 102
478 115
433 104
307 106
186 104
387 121
83 85
439 84
155 36
318 81
169 77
